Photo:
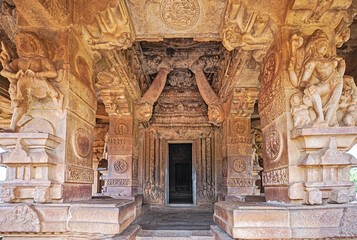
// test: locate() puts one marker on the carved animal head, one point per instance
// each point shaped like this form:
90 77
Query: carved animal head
215 114
143 112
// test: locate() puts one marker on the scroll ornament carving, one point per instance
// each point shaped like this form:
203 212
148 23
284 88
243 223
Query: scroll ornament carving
276 177
247 30
240 182
114 26
21 218
29 75
319 78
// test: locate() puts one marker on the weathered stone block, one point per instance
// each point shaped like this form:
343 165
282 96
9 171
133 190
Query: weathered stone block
339 196
349 223
314 196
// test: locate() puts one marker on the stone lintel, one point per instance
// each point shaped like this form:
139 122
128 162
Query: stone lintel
270 220
309 131
104 217
319 138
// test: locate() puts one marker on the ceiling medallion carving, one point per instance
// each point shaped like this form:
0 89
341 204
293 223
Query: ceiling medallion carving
179 14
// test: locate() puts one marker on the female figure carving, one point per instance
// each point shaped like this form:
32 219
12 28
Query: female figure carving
28 75
318 75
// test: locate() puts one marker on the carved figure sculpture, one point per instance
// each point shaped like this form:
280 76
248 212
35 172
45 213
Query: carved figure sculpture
247 30
318 75
348 102
114 27
215 110
299 110
143 109
29 75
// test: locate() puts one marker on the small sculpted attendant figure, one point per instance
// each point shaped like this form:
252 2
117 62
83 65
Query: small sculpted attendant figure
299 110
29 75
318 75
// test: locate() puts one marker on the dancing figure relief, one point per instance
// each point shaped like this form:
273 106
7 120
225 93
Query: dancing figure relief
30 75
319 76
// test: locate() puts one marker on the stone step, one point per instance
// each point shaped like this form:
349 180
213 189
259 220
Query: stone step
175 235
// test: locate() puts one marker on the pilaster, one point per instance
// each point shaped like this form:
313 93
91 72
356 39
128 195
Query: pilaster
239 171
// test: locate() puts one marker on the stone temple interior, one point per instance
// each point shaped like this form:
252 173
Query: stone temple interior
178 119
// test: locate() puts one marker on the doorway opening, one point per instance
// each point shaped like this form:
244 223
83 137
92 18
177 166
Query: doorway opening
180 173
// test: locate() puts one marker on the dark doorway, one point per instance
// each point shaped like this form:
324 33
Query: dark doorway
180 173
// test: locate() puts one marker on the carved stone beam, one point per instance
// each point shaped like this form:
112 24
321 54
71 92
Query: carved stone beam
144 108
124 74
216 113
34 13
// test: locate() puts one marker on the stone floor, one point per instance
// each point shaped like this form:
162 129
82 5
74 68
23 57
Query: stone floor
177 218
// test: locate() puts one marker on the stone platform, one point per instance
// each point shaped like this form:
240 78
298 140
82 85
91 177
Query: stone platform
92 219
244 220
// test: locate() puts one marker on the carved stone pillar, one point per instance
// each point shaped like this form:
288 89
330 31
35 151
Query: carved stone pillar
122 164
239 175
49 143
306 106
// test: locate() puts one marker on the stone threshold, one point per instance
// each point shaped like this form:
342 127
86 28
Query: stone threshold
244 220
175 235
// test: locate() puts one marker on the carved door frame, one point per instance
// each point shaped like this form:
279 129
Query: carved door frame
194 173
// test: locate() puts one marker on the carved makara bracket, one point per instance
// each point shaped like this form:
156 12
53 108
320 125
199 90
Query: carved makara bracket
245 29
216 113
112 29
144 108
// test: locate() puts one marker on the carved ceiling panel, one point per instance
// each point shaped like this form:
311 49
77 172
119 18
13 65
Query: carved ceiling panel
158 19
